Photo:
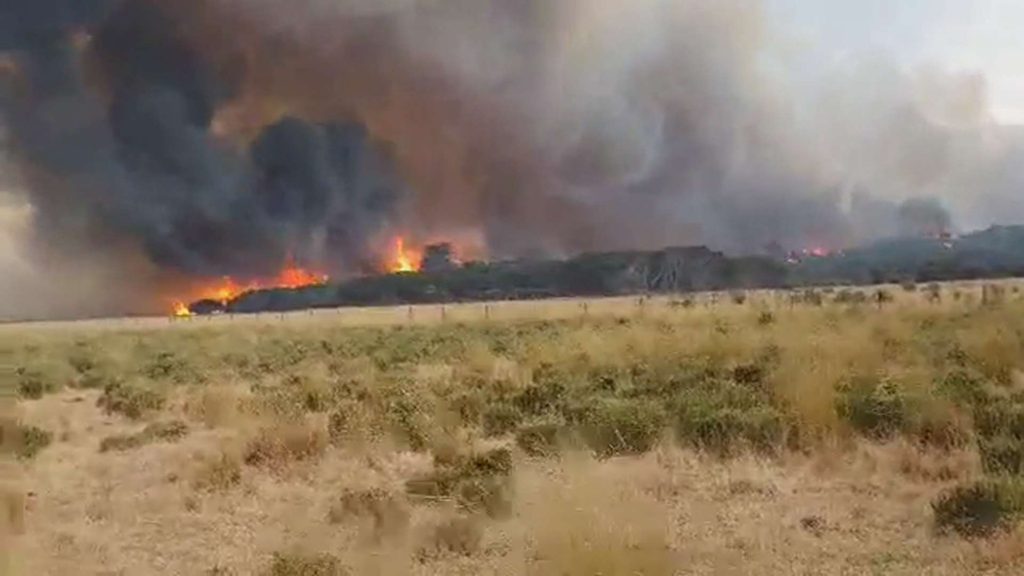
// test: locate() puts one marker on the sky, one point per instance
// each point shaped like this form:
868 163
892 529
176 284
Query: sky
982 36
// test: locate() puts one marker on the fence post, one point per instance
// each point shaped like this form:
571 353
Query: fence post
487 311
444 313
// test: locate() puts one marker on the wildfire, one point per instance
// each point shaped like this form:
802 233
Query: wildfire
227 289
403 260
181 311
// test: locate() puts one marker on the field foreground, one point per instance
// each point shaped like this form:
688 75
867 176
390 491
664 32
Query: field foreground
813 433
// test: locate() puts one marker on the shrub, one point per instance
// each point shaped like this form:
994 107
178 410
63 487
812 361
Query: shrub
541 439
302 565
1002 418
810 297
219 474
979 510
1002 455
409 423
277 446
964 386
388 514
723 430
765 318
31 384
877 410
167 365
850 297
460 536
500 419
30 441
160 431
546 395
614 427
474 482
131 401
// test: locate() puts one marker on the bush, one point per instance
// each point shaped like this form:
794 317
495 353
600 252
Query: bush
219 474
460 536
474 482
724 430
131 401
30 441
167 365
500 419
280 445
964 386
1002 418
31 384
1002 455
877 410
160 431
614 427
388 514
303 565
979 510
765 318
541 439
545 396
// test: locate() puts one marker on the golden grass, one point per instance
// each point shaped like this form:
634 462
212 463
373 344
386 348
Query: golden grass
762 438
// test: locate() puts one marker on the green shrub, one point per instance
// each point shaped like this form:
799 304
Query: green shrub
1002 455
167 365
303 565
877 410
30 441
541 439
500 419
546 395
614 427
30 384
964 386
724 430
1000 418
131 401
979 510
477 482
409 423
159 431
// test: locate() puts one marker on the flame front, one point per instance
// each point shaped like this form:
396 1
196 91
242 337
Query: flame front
227 289
404 260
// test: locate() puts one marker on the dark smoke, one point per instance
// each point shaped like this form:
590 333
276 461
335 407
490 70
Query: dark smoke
217 137
118 138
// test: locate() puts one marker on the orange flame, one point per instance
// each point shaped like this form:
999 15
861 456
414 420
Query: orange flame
404 260
227 289
181 311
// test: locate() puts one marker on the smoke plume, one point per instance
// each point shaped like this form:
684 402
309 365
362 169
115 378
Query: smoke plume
218 137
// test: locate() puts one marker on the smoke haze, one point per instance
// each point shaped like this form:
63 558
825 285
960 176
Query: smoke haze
164 140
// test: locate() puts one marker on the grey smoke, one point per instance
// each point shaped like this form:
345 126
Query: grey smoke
218 136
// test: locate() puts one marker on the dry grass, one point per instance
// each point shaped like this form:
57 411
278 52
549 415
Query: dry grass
772 435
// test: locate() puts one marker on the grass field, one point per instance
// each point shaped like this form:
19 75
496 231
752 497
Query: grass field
847 431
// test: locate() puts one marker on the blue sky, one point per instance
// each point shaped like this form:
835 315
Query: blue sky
986 36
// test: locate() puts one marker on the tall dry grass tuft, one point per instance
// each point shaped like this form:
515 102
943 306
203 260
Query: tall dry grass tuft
579 523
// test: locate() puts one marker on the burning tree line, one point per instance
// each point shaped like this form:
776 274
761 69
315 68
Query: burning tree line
435 275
